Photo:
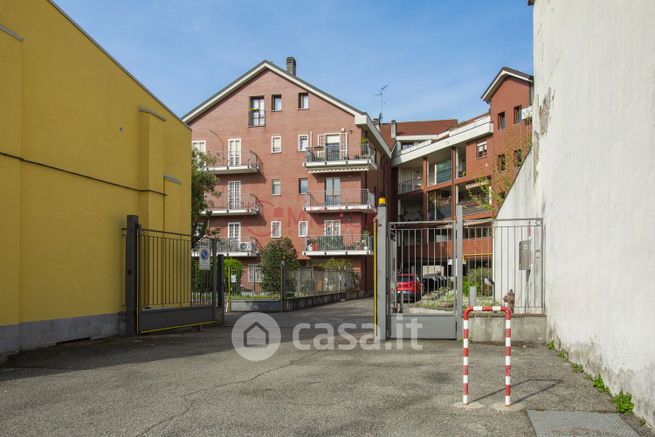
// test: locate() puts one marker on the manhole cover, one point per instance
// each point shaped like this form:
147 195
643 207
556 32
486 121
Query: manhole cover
579 423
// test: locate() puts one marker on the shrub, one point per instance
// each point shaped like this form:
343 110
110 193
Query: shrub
272 256
338 264
232 266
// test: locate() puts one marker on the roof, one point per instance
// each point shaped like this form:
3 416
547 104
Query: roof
361 117
424 127
503 74
253 72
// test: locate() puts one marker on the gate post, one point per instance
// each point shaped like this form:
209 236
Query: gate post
459 267
131 274
381 272
220 286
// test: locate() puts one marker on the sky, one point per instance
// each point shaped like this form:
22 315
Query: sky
435 57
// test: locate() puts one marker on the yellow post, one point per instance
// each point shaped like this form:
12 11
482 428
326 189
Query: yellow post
229 289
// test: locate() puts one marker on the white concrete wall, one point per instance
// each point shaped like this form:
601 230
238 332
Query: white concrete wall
594 181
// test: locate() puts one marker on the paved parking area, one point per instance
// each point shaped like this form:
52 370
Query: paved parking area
193 382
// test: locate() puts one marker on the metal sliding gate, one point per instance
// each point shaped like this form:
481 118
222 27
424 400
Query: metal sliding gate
428 272
167 285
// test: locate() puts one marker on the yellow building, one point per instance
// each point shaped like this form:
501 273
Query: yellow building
82 144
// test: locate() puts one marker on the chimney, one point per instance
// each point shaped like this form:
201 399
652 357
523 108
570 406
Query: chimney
394 129
376 122
291 65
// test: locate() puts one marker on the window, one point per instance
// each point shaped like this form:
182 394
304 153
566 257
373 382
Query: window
276 102
303 142
234 152
234 233
276 144
406 145
199 145
256 112
276 187
302 185
518 158
233 194
303 101
502 165
518 117
501 120
254 273
276 229
302 228
332 191
481 151
333 150
332 228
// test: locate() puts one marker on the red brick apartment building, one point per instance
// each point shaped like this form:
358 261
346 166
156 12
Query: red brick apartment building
292 161
439 164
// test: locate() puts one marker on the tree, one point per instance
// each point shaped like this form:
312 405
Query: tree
202 184
272 256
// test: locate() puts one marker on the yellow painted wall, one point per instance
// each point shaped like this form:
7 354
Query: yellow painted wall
65 103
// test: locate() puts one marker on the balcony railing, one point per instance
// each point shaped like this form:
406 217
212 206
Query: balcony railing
440 209
256 117
337 154
236 162
241 204
474 206
346 200
325 245
233 247
407 185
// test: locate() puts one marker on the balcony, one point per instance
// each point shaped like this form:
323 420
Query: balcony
237 248
440 209
474 206
347 200
338 158
338 245
242 204
234 163
409 185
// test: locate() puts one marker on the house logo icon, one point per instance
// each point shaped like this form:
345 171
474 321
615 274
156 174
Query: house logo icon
256 336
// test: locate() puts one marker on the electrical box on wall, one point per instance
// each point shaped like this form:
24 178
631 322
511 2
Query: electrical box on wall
525 255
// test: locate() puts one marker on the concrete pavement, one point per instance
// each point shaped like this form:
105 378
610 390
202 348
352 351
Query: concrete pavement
195 383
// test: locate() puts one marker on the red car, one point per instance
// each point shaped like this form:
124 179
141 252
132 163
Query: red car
408 285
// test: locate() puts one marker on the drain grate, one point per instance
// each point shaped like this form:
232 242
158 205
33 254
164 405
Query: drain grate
579 423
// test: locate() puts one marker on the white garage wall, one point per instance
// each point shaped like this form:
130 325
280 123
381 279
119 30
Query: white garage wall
593 181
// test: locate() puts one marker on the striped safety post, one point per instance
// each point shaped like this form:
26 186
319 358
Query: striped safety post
508 348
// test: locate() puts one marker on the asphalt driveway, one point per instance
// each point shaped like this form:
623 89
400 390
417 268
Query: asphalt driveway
193 382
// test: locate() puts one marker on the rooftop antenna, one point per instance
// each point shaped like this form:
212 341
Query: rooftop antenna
381 94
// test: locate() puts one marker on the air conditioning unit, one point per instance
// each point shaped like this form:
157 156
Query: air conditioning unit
246 247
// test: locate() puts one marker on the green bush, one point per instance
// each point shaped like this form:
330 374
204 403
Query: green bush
338 264
475 277
232 266
272 256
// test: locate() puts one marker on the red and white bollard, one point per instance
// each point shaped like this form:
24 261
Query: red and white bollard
508 349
